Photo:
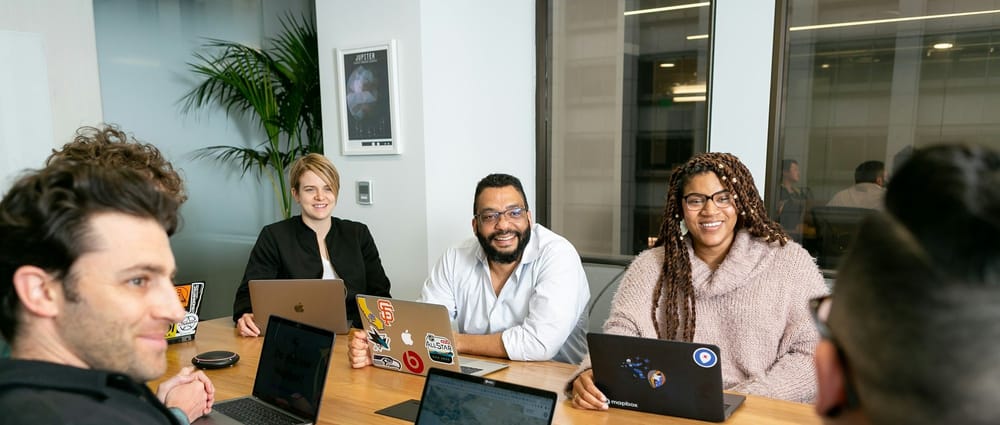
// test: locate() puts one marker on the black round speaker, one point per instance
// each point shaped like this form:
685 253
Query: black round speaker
215 359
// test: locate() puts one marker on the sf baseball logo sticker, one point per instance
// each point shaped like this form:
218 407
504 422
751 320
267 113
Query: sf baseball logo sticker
413 362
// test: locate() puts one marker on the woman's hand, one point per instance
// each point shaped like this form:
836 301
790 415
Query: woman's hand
246 325
585 393
359 352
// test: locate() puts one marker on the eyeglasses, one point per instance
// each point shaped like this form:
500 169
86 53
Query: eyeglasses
513 214
697 201
820 308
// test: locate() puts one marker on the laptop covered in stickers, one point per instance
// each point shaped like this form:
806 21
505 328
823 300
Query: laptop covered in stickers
670 378
412 337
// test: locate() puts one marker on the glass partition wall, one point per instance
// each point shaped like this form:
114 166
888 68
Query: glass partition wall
867 82
628 86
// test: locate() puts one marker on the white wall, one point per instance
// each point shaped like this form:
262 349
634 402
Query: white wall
464 113
49 79
740 89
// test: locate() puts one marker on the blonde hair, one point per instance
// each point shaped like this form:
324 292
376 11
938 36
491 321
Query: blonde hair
318 164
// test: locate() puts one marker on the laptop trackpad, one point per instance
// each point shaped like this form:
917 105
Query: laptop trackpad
406 410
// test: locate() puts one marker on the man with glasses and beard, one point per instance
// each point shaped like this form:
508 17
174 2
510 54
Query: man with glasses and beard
516 291
911 337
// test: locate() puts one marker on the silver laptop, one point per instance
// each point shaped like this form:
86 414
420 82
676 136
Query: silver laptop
290 378
317 302
412 337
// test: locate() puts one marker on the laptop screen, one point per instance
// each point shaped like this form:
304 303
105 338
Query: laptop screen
455 398
293 366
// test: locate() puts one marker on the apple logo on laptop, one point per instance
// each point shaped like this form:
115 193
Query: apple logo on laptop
299 308
406 337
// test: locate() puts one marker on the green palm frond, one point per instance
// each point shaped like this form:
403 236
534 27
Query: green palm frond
276 88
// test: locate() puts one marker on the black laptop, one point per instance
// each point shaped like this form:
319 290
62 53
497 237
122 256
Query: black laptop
290 378
664 377
456 398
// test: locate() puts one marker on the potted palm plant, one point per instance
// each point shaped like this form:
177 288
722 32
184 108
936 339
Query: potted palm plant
275 87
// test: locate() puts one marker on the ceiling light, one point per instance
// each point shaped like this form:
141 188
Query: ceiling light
885 21
689 99
943 46
667 9
689 89
666 65
697 37
825 66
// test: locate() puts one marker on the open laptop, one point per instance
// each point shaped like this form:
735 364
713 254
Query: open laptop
317 302
290 378
456 398
665 377
412 337
190 295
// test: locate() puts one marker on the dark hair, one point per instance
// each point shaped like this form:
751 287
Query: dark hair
869 171
45 221
109 146
916 295
498 180
786 164
675 278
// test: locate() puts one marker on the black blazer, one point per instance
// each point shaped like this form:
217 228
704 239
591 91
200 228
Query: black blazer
288 250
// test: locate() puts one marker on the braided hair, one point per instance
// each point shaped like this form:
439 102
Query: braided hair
674 284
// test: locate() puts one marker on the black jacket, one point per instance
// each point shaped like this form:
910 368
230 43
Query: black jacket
34 392
288 250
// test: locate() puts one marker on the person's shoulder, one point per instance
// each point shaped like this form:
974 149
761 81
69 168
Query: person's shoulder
547 239
282 226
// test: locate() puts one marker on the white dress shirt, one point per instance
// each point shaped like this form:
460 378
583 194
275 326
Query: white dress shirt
541 308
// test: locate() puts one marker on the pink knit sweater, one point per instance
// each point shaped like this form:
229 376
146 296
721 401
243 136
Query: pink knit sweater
754 307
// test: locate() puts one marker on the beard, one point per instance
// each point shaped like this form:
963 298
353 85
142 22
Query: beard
497 256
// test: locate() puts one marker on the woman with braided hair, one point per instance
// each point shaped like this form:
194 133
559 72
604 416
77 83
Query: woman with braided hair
721 272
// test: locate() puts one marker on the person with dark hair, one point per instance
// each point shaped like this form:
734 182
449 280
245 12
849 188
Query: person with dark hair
517 290
793 201
868 189
909 334
313 245
86 294
108 146
723 273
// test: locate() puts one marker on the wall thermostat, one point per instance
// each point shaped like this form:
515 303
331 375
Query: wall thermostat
365 192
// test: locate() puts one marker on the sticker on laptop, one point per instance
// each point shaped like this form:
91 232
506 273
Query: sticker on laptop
385 311
705 358
380 341
656 378
413 362
439 349
387 362
638 367
371 317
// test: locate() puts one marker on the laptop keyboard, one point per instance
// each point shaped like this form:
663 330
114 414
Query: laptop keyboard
252 412
468 370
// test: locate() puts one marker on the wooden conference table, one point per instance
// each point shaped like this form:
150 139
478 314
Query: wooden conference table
352 396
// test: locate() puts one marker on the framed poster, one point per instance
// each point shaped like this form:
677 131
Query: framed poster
368 100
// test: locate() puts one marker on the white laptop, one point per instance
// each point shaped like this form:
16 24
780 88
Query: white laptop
412 337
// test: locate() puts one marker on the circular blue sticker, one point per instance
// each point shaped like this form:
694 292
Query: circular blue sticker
705 358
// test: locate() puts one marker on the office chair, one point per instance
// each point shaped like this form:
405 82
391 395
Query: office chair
835 231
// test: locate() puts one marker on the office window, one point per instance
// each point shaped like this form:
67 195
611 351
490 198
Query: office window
627 102
871 81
